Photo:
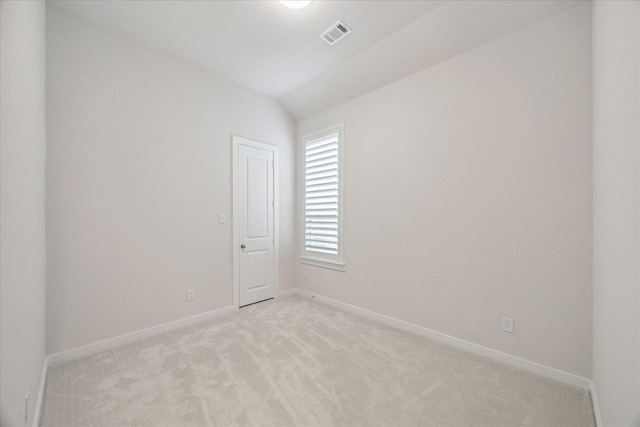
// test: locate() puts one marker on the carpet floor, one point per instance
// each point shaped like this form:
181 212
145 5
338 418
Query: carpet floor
297 362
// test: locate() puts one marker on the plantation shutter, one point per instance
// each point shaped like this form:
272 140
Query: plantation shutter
322 196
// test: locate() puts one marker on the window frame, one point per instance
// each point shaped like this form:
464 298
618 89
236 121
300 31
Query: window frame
330 261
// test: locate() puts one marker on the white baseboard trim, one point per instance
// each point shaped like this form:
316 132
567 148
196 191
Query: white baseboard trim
98 347
596 406
43 381
545 371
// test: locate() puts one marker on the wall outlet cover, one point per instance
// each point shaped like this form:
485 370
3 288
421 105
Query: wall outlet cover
507 324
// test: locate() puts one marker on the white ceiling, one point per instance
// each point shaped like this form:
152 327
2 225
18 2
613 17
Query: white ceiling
277 51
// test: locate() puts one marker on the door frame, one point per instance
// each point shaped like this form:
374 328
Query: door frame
236 142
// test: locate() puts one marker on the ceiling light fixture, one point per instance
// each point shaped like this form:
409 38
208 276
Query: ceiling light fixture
295 4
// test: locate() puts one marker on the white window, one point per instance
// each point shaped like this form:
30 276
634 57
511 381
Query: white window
322 198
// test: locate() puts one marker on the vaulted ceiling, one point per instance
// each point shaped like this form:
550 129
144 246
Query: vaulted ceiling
277 51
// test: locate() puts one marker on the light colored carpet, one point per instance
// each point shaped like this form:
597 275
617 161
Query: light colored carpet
296 362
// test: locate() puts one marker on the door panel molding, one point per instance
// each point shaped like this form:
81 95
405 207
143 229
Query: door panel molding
237 142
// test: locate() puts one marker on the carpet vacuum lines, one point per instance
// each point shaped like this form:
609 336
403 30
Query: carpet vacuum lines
297 362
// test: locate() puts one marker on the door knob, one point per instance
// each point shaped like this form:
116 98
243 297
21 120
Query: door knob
243 246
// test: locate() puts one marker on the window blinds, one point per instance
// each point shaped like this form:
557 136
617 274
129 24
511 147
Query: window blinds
322 195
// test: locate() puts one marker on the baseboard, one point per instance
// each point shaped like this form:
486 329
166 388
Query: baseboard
43 381
596 406
98 347
545 371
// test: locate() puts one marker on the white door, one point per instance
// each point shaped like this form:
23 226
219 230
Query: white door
255 237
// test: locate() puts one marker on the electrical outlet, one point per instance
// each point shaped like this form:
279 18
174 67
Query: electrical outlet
507 324
306 273
222 219
191 294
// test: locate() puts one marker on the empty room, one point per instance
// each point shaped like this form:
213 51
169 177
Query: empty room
445 230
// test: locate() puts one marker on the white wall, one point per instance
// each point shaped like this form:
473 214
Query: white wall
468 196
616 214
22 224
139 167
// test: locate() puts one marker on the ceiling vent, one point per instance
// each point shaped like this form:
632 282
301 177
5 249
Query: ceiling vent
335 32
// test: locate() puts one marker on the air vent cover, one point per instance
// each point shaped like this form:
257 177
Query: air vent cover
335 32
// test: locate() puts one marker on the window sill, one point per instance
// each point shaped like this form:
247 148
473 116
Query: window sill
324 263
